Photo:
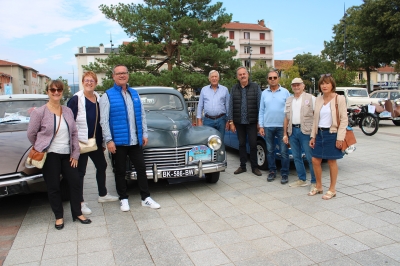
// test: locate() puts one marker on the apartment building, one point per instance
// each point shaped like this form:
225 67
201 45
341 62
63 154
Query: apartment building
22 79
252 41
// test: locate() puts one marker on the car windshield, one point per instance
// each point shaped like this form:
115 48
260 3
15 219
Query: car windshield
394 95
357 93
18 112
161 101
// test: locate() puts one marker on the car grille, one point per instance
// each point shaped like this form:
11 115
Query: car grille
167 157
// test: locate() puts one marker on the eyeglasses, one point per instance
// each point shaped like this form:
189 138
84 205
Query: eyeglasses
272 78
121 73
53 90
89 81
326 75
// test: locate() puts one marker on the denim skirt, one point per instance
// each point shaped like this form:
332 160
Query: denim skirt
325 146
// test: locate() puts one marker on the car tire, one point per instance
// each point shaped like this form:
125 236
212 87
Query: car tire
64 189
262 155
396 122
212 177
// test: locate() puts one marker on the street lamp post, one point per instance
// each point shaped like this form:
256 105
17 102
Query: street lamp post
344 35
313 81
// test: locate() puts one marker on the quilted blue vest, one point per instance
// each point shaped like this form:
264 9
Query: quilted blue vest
119 124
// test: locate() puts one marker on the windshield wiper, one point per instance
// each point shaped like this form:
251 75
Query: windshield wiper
11 120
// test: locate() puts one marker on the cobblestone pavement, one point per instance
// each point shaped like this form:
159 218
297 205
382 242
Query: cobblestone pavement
241 220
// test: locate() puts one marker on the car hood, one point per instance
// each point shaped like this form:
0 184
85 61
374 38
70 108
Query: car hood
361 100
13 145
167 120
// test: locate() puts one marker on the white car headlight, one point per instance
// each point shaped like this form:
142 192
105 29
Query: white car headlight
214 142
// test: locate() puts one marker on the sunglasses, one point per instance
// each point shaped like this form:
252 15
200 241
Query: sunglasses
272 78
326 75
53 90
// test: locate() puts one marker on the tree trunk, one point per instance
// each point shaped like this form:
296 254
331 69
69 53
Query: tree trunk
368 79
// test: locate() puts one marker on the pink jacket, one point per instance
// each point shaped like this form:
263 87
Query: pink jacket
42 127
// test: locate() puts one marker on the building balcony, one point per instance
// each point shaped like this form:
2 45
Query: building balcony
255 56
255 42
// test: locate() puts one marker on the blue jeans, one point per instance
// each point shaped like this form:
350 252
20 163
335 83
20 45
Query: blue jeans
218 124
270 133
298 142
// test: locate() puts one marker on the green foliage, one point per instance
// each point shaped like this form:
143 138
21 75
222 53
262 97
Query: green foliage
259 73
312 66
372 36
176 32
289 74
344 78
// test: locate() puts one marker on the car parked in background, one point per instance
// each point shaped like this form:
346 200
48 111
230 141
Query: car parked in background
176 148
16 176
356 96
386 94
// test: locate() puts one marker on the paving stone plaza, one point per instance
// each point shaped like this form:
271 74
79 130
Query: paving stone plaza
241 220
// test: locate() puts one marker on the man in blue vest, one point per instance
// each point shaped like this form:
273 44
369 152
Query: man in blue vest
123 121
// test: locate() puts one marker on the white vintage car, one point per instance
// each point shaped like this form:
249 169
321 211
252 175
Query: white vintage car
356 96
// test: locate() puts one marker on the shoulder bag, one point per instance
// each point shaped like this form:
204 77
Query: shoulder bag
37 158
91 145
349 139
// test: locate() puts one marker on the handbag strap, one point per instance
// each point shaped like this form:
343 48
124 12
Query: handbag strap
95 125
59 122
337 112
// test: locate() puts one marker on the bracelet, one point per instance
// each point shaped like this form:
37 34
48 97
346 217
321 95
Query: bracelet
109 141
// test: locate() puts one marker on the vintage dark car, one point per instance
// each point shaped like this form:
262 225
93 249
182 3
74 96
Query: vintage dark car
176 148
16 176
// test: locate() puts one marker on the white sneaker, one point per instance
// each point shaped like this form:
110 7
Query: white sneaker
298 183
107 198
149 202
85 209
124 205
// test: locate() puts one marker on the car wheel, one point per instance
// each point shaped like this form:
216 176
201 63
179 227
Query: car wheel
212 177
64 189
262 155
396 122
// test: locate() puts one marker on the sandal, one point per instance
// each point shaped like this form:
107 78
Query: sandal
315 191
329 195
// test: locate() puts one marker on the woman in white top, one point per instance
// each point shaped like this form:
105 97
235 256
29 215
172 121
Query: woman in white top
326 137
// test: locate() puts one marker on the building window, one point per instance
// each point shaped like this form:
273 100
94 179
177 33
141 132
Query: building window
247 49
152 61
231 34
360 75
262 50
214 35
232 47
247 35
247 63
262 36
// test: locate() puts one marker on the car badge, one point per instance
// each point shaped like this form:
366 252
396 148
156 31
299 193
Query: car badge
174 126
175 132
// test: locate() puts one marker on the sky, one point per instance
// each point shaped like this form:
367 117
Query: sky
46 35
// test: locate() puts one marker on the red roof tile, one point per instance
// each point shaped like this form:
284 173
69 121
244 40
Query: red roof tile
283 64
386 69
244 26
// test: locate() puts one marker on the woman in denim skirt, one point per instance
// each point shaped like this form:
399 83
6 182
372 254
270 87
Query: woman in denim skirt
326 137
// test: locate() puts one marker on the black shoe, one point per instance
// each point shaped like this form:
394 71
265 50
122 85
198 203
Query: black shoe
284 179
256 172
271 177
59 226
240 170
87 221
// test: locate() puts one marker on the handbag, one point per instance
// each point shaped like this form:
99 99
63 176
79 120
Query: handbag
37 158
350 138
91 145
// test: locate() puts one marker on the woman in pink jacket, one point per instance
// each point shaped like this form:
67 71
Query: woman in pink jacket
52 128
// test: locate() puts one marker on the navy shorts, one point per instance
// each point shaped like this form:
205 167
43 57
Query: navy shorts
325 146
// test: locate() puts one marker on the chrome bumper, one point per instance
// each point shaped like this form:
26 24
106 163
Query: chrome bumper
199 169
17 179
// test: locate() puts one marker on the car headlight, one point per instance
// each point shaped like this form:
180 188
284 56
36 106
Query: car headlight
397 101
214 142
382 102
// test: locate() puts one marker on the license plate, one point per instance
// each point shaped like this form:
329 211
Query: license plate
198 153
385 114
177 173
3 191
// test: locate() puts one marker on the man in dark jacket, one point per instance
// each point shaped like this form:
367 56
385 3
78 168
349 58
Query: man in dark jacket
243 118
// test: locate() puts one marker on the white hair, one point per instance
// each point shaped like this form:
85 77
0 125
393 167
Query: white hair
212 71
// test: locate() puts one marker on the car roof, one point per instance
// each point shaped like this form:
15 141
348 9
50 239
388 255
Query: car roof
384 91
23 97
156 89
349 88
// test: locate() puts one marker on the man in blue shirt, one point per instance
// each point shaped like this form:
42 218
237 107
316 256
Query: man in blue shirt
214 100
271 116
123 121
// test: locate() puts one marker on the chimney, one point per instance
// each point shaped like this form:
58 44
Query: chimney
261 23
